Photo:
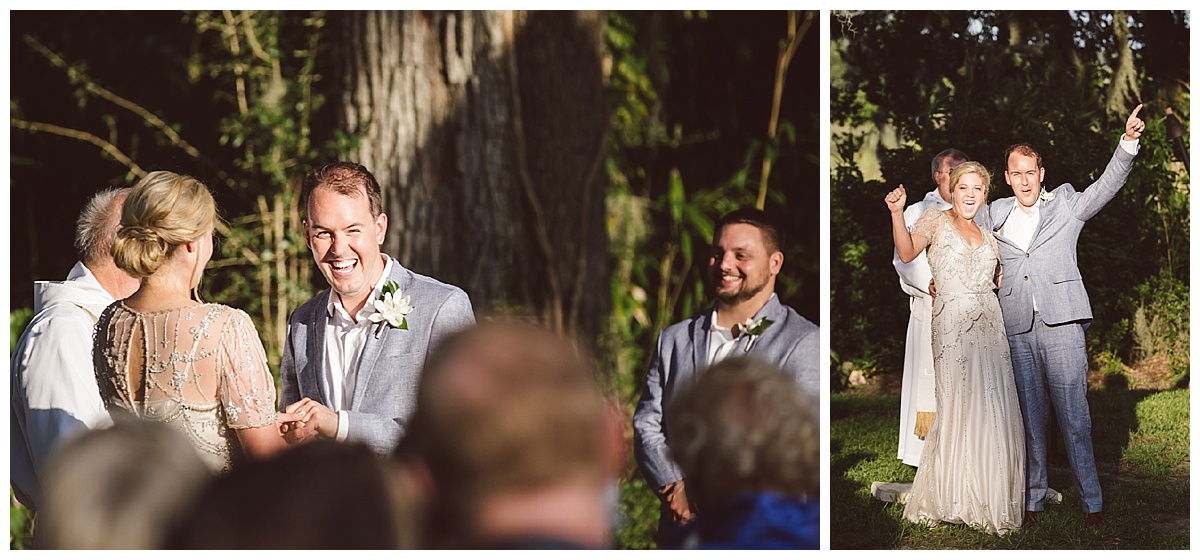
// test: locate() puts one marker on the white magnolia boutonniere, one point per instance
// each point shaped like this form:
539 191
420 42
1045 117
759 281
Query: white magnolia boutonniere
390 308
1046 196
755 330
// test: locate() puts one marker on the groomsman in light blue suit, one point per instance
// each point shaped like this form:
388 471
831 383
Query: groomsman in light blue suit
353 357
1046 309
747 319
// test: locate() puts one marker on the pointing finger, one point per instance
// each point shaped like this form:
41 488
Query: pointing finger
1135 111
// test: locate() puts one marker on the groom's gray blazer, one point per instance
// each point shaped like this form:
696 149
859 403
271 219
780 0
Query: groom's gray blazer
792 342
1049 270
390 367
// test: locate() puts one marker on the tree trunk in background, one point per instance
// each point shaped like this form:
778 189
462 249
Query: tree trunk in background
483 129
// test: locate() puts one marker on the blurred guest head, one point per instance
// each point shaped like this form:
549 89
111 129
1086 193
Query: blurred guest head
743 426
118 488
321 495
747 439
511 430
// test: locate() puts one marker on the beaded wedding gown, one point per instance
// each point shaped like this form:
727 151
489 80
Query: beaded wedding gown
972 469
199 368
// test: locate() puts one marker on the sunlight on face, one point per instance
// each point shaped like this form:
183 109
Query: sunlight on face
968 194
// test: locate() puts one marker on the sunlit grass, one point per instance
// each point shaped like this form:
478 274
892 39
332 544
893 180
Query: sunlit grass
1141 440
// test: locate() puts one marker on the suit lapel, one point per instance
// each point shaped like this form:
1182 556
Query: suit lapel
700 342
1045 213
1003 208
773 311
375 345
316 346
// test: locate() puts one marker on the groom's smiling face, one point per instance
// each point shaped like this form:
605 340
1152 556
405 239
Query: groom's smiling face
344 238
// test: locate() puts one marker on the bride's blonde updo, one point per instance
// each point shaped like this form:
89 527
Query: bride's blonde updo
164 210
970 167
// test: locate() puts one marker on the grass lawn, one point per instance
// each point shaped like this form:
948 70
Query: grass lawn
1141 442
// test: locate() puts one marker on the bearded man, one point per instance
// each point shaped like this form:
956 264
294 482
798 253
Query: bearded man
747 319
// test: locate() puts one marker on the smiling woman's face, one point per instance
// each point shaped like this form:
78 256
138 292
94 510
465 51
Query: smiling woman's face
968 194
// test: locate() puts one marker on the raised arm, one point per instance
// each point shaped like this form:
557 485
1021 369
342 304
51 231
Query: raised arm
1093 199
908 245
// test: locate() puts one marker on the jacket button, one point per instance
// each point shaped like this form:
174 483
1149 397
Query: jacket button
1027 278
1027 255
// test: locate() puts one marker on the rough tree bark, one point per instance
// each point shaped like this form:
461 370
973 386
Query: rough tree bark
486 131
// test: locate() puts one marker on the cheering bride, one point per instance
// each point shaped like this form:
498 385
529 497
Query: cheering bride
972 469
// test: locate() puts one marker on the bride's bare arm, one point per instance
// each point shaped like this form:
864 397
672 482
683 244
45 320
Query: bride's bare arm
264 441
908 245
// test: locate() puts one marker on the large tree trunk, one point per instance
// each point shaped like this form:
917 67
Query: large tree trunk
485 130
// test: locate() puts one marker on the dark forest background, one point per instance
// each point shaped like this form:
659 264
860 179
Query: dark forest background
906 85
563 166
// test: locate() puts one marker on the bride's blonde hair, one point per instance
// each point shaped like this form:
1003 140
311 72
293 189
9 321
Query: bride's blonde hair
163 211
970 167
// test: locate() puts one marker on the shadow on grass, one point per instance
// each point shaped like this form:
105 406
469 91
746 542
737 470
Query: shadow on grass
1141 443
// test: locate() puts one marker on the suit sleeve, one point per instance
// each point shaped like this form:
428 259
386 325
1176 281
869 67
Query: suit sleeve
454 315
289 391
650 445
1089 202
382 432
805 363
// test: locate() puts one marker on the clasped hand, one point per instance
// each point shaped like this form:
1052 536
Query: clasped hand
307 419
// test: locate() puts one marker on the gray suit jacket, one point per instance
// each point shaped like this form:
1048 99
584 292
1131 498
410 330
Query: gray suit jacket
791 342
390 367
1049 270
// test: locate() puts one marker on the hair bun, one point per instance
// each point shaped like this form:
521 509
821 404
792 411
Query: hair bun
140 233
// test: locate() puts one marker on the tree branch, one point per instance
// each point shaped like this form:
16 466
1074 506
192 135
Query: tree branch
787 50
108 148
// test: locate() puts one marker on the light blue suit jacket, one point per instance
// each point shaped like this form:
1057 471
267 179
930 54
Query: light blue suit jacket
792 342
390 367
1049 269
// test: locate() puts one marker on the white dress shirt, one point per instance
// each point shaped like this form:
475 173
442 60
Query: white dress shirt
720 341
345 337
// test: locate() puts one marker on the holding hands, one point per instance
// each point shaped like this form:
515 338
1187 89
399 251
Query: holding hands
309 419
1133 125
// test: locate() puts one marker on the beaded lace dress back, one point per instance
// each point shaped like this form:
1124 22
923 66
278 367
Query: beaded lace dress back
200 368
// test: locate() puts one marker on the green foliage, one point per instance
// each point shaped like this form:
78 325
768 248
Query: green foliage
1161 323
1141 441
17 320
20 524
263 69
908 84
639 514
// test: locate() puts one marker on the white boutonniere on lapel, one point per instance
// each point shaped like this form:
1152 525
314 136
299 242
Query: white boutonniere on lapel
390 308
1045 196
755 330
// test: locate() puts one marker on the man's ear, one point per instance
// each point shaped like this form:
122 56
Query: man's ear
380 228
307 236
775 262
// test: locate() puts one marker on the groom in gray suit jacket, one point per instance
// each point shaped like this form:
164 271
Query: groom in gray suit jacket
354 353
747 319
1046 309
